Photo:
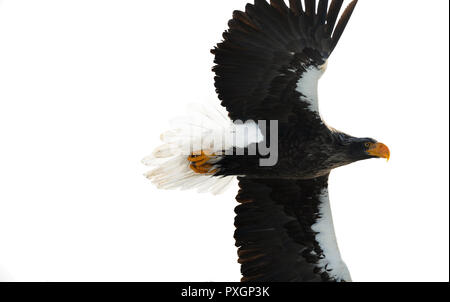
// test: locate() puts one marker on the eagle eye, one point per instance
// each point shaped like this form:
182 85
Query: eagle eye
367 145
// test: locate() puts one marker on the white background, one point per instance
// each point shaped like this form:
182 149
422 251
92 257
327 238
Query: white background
86 87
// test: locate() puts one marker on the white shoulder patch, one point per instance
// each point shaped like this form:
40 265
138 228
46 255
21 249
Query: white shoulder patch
332 263
307 85
243 135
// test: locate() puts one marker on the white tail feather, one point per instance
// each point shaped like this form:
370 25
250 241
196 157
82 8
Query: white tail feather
200 130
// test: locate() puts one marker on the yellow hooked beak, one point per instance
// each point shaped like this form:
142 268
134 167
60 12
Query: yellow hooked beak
379 150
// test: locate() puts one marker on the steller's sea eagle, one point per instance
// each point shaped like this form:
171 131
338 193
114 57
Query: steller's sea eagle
267 70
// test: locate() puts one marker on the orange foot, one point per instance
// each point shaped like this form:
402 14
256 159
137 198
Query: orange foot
199 162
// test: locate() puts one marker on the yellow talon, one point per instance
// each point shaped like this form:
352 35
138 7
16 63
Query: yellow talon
196 158
202 162
199 163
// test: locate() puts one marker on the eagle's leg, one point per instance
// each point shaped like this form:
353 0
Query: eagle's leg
199 162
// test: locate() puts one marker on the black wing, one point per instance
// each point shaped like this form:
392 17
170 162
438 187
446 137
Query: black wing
267 50
284 231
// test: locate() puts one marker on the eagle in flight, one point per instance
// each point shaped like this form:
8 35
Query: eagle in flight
266 73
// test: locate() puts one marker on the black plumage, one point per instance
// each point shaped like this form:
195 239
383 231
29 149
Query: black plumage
263 43
266 53
273 229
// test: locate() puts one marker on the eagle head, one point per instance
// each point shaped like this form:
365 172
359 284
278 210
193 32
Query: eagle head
366 148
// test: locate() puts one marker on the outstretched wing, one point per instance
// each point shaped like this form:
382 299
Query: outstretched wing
272 57
284 231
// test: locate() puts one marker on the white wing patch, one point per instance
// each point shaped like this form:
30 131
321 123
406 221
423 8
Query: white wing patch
332 263
307 85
